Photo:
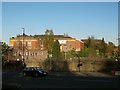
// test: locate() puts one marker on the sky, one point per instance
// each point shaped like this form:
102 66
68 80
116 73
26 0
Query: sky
59 0
77 19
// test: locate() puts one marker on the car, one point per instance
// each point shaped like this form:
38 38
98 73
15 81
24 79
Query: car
34 71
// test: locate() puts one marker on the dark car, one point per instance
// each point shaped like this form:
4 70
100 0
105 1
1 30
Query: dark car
34 71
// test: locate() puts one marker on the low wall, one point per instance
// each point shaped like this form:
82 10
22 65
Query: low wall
92 65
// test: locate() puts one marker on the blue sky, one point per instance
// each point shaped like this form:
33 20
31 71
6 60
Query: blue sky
79 20
60 0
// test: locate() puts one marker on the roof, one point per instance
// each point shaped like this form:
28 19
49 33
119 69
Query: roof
41 36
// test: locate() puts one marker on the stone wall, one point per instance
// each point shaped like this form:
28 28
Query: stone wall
71 65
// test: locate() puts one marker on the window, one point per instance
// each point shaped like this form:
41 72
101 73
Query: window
65 48
26 53
24 44
70 45
29 44
18 44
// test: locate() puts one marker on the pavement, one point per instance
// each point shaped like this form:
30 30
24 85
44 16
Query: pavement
84 74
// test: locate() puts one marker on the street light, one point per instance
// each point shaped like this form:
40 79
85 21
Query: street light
23 44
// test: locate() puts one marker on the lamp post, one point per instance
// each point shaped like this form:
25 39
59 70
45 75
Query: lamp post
23 45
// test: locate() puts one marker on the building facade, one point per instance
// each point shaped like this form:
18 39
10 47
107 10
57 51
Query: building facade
32 47
68 44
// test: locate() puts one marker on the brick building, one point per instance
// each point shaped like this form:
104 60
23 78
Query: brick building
33 46
68 43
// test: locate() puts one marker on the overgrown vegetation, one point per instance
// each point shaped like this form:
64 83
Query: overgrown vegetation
94 48
48 40
56 54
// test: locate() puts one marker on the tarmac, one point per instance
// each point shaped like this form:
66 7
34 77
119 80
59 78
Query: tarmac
84 74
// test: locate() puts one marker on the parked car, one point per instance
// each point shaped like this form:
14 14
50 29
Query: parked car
34 71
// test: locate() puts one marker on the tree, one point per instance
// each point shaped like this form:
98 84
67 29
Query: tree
90 43
83 53
119 51
90 48
71 54
110 49
56 50
102 47
5 49
48 40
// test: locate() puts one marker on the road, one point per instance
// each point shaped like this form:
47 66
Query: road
60 80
